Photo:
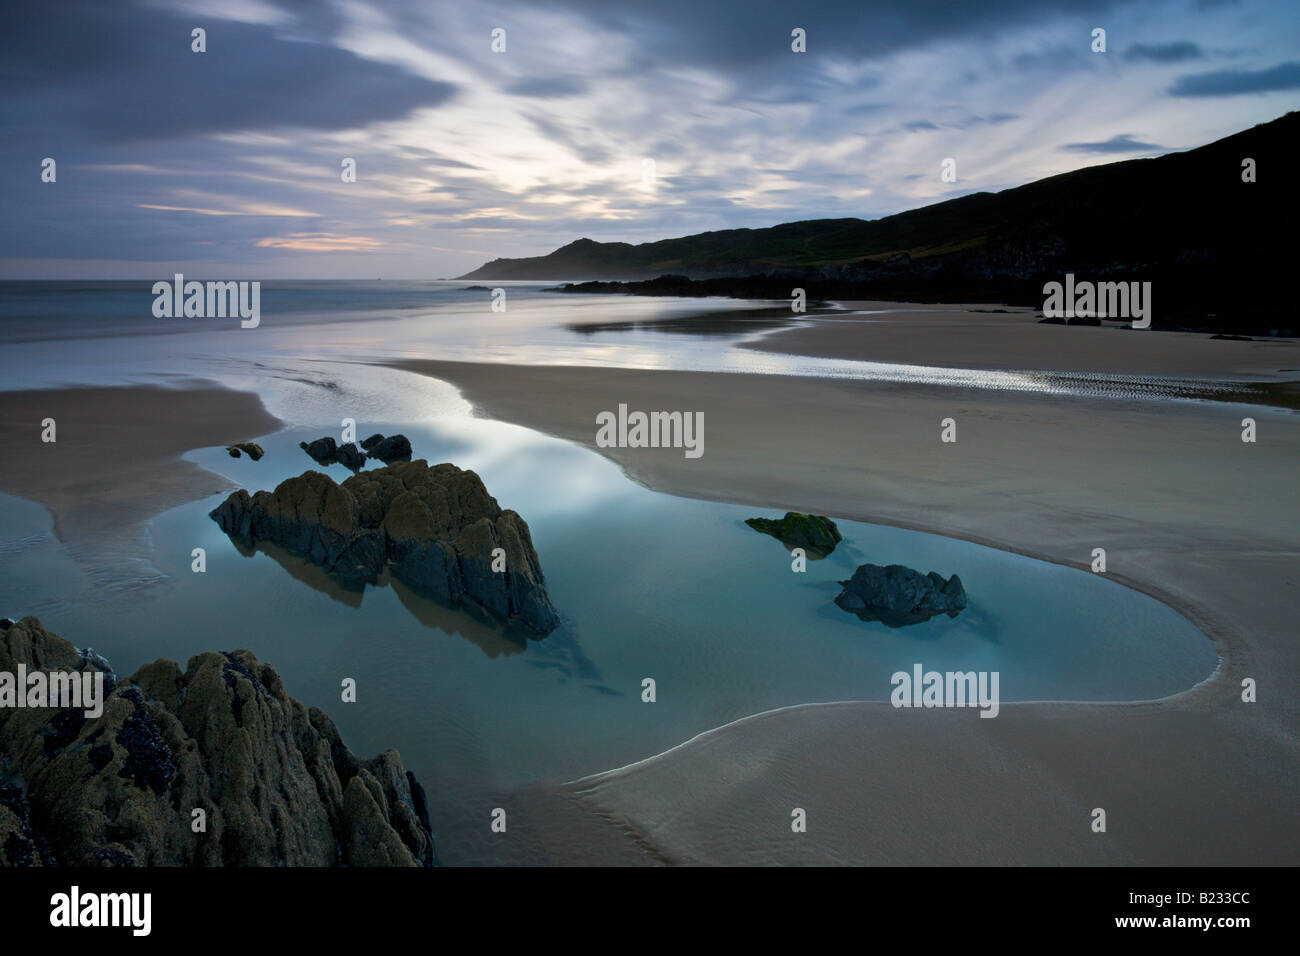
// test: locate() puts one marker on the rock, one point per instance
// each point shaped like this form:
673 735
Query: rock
390 449
372 441
434 527
816 534
323 451
276 783
897 596
252 449
350 456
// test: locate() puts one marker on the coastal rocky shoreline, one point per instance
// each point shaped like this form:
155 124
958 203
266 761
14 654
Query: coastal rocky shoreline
215 765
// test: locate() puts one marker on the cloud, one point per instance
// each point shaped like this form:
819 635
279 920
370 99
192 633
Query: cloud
548 87
1284 76
320 242
1177 52
750 35
169 155
1123 143
121 72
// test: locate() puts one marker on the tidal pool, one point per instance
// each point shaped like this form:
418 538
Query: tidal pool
648 586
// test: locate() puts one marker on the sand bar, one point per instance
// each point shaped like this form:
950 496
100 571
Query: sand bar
116 461
957 337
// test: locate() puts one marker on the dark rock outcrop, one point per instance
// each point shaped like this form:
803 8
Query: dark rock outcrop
434 527
897 596
390 449
816 534
323 451
250 448
275 782
350 456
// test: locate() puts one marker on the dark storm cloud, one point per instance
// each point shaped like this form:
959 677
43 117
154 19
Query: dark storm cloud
1284 76
1123 143
1178 52
739 36
123 72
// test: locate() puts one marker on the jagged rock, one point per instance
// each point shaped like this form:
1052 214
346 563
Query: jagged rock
372 441
897 596
349 456
390 449
276 783
816 534
252 449
323 451
434 527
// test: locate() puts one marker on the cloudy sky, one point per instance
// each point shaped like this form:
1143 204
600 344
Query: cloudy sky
227 163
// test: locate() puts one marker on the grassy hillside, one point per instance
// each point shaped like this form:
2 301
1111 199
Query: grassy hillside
1184 219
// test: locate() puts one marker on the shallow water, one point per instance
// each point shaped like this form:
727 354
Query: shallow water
648 585
103 332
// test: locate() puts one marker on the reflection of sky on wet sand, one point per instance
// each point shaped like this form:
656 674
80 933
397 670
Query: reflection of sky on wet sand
537 328
648 585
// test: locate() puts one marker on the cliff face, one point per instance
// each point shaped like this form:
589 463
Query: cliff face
275 782
435 527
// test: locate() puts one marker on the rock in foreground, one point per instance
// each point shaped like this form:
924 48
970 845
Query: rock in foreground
897 596
816 534
276 784
434 527
390 449
323 451
350 457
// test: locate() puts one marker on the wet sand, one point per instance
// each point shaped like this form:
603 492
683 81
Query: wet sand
1186 512
116 461
959 337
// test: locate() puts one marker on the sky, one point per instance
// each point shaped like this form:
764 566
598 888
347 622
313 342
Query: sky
615 120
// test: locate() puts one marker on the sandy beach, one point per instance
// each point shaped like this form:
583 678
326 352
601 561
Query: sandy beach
955 336
1186 511
116 459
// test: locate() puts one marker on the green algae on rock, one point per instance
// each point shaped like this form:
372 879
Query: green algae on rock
816 534
250 448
